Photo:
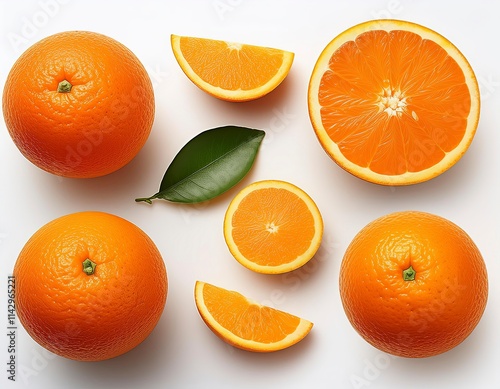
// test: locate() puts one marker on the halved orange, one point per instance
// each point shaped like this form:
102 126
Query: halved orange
231 71
246 324
273 227
393 102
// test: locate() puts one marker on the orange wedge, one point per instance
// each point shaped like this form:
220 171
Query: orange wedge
393 102
245 324
231 71
273 227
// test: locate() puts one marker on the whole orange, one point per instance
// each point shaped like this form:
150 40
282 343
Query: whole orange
413 284
78 104
90 286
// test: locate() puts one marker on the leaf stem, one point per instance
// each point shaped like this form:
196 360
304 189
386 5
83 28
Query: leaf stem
145 199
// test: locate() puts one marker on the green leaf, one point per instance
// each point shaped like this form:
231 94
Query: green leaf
209 164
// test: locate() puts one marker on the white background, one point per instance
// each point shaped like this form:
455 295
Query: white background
182 352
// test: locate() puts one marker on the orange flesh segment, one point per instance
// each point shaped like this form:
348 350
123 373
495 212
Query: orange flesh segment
244 67
404 68
246 320
266 224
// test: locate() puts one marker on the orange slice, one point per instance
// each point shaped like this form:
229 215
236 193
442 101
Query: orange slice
393 102
231 71
273 227
245 324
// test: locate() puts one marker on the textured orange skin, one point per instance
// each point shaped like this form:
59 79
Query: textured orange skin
97 127
90 317
419 318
